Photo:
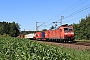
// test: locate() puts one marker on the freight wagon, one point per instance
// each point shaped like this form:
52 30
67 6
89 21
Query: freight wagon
40 35
30 36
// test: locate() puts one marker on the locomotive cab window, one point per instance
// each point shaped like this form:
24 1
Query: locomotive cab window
70 29
65 29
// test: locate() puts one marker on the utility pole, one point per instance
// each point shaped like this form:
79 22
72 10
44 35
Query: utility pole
39 25
61 20
36 26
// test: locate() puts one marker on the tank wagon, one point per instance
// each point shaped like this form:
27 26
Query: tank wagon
63 33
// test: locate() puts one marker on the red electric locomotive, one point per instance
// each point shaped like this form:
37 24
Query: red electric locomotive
63 33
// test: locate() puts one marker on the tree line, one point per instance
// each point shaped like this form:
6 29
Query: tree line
27 32
11 29
82 29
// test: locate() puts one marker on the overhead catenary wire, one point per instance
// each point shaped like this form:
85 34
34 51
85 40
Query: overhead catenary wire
72 19
77 4
76 12
77 17
80 10
74 6
68 8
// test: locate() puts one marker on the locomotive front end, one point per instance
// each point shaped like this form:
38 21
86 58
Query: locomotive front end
69 33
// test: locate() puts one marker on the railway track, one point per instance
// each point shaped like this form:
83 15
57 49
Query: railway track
74 45
83 43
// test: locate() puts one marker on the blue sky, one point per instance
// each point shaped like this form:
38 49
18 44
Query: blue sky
28 12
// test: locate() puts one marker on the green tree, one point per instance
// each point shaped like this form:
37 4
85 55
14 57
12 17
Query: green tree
52 27
14 29
82 30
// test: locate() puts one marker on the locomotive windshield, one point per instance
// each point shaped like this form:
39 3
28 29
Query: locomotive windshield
68 29
65 29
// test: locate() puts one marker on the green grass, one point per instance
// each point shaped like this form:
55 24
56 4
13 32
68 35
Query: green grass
83 40
23 49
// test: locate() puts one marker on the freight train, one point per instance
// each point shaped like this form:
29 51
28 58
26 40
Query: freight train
64 33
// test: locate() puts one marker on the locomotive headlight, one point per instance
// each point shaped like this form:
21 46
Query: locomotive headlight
72 33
